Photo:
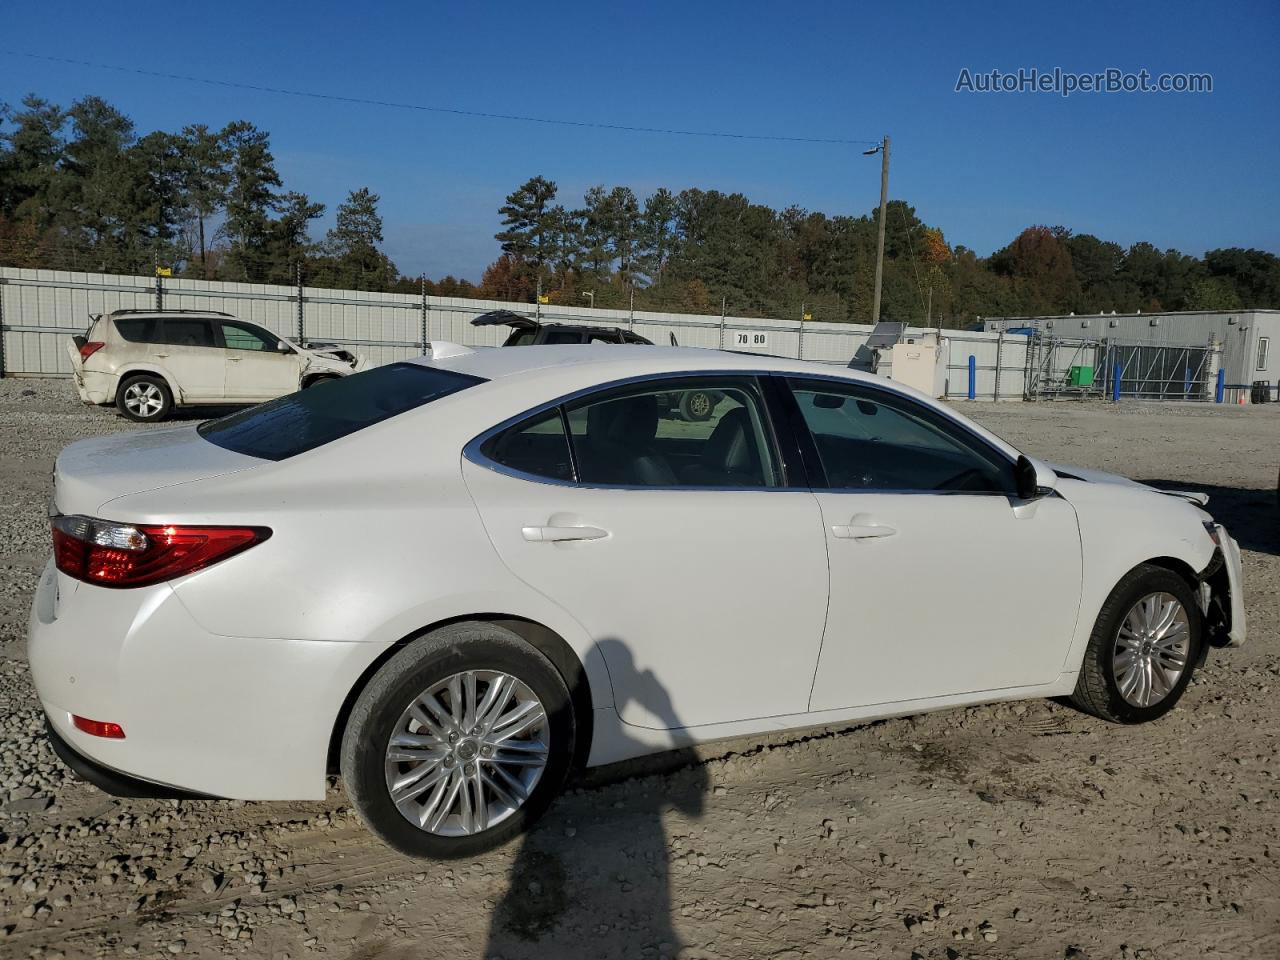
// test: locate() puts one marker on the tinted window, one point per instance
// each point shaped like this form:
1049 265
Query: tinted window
137 329
867 439
239 336
537 446
562 336
687 433
302 421
184 332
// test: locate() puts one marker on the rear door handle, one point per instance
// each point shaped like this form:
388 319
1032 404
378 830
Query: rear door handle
553 534
863 527
234 359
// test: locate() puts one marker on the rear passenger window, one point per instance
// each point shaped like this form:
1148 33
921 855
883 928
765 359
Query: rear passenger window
181 332
137 329
537 447
683 433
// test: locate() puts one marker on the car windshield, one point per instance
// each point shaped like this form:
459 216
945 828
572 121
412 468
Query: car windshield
328 411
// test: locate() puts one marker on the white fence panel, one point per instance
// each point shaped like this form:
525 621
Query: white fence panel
40 308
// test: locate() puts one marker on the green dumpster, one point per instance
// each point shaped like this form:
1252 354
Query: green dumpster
1082 376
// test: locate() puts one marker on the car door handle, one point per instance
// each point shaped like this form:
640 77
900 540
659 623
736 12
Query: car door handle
234 359
553 534
863 528
161 356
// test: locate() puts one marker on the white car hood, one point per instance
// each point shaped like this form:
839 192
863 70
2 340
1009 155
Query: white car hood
1100 476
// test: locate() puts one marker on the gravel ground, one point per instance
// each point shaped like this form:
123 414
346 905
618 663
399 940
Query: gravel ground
1019 830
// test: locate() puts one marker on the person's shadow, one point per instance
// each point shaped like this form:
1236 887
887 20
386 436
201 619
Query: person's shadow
568 893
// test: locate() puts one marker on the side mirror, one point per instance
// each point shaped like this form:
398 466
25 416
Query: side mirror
1033 478
283 347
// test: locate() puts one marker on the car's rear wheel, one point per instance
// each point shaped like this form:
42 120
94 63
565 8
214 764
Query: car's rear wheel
145 398
1143 650
458 742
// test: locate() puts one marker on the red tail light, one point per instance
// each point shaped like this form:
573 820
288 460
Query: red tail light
87 350
134 555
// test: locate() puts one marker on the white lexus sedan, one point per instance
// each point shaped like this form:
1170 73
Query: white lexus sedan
453 580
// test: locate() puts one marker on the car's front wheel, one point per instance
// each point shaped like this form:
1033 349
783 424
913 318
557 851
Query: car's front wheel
145 398
1144 648
458 742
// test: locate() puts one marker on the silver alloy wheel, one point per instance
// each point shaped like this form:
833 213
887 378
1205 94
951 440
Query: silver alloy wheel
143 399
467 753
1151 649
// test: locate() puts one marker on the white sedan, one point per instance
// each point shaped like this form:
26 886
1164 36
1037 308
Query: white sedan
456 579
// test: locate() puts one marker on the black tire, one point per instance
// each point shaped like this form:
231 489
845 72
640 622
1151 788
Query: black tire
1097 690
152 388
319 379
438 655
698 405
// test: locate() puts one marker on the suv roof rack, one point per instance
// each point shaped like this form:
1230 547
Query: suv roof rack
157 313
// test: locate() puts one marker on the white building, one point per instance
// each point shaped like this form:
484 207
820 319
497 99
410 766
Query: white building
1248 339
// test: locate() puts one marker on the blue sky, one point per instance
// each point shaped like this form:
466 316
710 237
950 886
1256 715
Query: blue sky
1180 170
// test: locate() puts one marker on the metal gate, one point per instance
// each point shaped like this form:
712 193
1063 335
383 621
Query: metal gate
1106 368
1149 372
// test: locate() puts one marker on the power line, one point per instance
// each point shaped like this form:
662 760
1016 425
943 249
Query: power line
477 114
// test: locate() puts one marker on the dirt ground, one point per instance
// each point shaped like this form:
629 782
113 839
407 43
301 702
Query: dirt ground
1024 830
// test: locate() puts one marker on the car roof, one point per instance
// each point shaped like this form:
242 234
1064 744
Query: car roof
617 361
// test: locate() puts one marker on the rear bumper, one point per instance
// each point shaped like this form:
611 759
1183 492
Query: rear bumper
113 781
246 718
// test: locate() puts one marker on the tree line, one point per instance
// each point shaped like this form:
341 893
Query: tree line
698 248
81 189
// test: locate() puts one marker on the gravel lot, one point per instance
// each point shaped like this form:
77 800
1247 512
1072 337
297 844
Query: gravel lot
1020 830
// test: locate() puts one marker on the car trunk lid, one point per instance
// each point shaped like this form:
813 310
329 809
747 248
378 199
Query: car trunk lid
90 473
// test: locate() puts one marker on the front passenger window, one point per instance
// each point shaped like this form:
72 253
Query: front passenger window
873 440
240 337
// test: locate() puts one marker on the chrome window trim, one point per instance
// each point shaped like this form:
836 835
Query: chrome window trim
473 453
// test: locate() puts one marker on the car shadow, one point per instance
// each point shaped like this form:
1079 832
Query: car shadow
1250 515
562 889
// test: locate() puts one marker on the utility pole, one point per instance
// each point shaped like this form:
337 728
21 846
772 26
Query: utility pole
883 150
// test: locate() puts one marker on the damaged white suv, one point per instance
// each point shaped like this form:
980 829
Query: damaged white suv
149 362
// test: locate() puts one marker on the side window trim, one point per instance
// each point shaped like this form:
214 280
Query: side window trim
813 461
474 453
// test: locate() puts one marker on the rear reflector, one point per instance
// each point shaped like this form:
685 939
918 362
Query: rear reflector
99 728
112 554
87 350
